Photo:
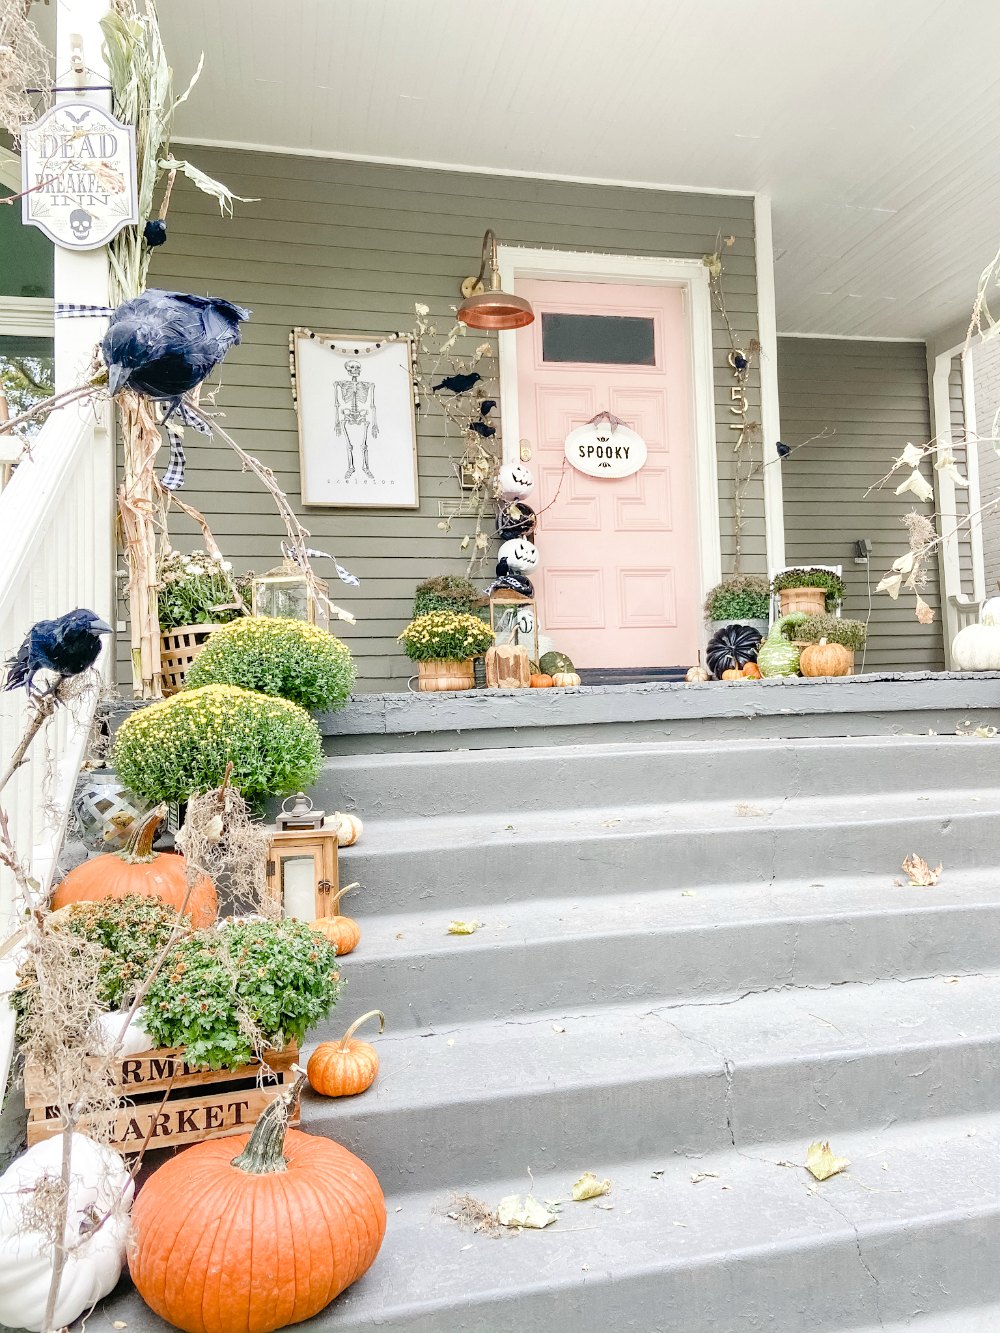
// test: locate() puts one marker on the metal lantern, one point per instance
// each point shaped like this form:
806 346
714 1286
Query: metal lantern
286 591
106 810
302 871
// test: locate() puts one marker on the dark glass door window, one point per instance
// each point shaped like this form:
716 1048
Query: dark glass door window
609 340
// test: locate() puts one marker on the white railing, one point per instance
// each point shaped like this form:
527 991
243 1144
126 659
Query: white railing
56 553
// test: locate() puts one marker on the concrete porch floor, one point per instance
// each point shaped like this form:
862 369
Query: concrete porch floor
892 704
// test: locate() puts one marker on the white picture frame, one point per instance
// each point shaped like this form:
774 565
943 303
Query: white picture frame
357 422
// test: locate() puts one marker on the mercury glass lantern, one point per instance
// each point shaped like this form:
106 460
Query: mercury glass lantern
302 870
285 591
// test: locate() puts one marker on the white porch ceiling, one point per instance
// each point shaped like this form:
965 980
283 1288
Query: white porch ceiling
873 126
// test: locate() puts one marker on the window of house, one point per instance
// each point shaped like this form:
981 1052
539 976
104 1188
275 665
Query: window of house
610 340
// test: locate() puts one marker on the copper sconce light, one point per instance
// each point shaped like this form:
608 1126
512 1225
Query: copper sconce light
492 308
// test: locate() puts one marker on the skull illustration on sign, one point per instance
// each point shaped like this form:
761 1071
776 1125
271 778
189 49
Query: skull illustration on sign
80 223
516 481
518 554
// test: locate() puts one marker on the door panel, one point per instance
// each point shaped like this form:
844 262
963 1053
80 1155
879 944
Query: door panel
617 583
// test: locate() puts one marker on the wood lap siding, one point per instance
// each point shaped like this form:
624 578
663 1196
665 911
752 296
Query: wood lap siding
874 396
351 247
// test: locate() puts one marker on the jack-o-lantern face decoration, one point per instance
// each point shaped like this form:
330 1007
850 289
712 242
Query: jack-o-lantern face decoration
519 554
516 481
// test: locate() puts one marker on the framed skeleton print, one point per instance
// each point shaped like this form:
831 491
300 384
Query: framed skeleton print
354 399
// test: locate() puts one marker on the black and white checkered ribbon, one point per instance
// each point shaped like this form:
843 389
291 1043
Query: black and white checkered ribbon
67 310
173 478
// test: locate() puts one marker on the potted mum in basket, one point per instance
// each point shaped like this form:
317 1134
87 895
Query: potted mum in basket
196 594
744 599
812 591
443 644
829 644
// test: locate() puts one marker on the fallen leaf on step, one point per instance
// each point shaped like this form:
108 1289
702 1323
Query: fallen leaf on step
399 934
822 1163
119 1323
609 823
657 1175
608 1207
589 1187
683 1225
463 927
919 873
450 1041
464 1248
557 1028
699 1176
745 810
784 1163
688 893
515 1211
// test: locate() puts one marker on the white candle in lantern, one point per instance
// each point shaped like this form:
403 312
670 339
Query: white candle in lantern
298 884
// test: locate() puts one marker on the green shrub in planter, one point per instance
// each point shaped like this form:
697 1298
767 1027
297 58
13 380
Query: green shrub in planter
181 745
743 597
447 592
274 655
221 987
851 633
832 584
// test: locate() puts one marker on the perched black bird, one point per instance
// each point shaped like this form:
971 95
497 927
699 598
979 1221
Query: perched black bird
154 233
163 344
67 646
741 361
487 406
458 383
783 449
482 429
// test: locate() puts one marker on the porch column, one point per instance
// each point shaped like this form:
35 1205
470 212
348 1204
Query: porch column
938 372
770 422
80 277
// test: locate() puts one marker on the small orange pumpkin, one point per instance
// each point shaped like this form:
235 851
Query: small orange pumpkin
342 931
826 659
250 1234
733 673
540 681
346 1067
138 869
751 671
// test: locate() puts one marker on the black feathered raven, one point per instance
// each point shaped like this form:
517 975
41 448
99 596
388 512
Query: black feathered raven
458 383
163 344
67 646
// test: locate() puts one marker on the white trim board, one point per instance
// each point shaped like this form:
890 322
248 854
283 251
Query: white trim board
279 150
27 316
641 270
770 407
850 337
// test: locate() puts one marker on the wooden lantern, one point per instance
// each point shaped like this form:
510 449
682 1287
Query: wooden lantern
302 870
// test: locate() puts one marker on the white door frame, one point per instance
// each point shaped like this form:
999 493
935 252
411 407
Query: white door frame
691 276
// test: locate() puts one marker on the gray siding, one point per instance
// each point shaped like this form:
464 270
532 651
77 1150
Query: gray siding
874 396
345 246
986 384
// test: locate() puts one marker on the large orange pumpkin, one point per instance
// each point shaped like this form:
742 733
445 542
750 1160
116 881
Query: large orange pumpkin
138 869
342 931
346 1067
249 1234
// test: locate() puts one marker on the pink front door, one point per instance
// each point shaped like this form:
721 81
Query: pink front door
618 576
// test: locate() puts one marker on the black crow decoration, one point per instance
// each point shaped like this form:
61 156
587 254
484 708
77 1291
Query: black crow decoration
458 383
164 344
66 646
783 449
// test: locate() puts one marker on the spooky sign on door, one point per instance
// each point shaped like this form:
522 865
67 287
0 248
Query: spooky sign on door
606 447
78 175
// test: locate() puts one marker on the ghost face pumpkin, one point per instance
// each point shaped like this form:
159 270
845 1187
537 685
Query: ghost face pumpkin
515 481
519 555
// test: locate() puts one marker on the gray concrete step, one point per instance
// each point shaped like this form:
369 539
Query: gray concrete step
546 953
450 863
912 1226
458 1105
621 775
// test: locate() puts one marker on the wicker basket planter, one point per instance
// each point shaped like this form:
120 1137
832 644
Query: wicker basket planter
810 601
178 649
445 675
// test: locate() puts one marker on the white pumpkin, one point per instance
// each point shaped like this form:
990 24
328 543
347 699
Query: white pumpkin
98 1181
515 481
977 647
351 829
520 555
136 1037
990 614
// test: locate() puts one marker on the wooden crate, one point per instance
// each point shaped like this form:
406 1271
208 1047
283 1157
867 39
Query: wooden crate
200 1104
178 649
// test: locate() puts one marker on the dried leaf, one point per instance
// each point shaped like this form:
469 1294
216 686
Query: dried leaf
904 564
206 184
657 1175
821 1162
919 873
925 613
557 1027
910 457
891 584
917 485
699 1176
515 1211
589 1187
946 463
463 927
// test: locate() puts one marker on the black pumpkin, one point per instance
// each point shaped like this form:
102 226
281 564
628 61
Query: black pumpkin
515 519
731 648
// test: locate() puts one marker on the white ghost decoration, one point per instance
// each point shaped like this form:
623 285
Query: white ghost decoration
519 554
516 481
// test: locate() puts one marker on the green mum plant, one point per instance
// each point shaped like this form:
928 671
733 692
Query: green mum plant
195 589
851 633
275 655
224 994
180 746
832 584
445 636
743 597
447 592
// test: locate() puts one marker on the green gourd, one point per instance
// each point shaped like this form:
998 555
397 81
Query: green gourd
551 662
777 655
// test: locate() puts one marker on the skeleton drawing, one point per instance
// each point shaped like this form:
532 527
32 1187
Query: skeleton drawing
355 416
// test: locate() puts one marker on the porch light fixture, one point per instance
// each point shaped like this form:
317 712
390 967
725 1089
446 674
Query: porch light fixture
492 308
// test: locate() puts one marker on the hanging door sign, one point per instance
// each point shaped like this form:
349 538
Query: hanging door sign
78 172
606 447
